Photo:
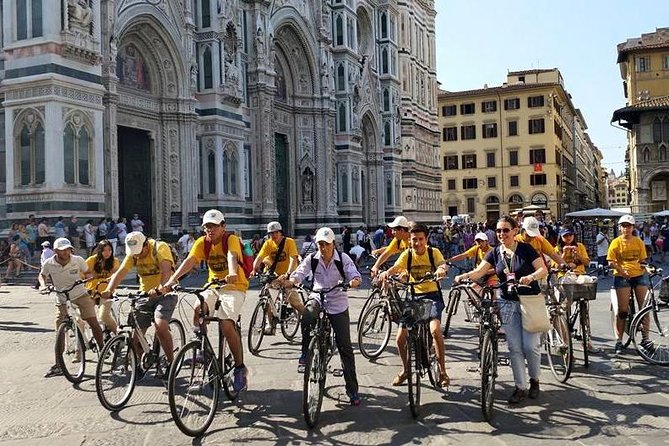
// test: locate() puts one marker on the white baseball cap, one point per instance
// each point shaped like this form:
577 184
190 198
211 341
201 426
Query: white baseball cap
531 226
481 236
61 244
273 226
626 219
213 216
47 243
325 234
134 242
399 222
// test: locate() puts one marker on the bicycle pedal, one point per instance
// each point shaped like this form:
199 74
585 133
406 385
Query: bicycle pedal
337 372
502 361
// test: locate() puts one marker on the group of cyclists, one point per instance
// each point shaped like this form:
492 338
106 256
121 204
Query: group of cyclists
522 257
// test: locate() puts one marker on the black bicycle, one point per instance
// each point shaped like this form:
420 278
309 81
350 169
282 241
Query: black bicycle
322 348
454 296
132 353
376 323
650 326
196 376
557 340
580 295
279 310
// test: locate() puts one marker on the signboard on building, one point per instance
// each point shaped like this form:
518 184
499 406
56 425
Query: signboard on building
538 167
175 219
194 219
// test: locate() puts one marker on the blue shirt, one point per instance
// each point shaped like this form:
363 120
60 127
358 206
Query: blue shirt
327 277
520 264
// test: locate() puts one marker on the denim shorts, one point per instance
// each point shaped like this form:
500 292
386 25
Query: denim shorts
621 282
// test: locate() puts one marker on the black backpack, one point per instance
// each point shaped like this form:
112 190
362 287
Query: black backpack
430 254
338 263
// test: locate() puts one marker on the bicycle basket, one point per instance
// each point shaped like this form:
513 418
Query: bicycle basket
664 290
421 309
579 291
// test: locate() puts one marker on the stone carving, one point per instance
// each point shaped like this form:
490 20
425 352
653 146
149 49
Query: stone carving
80 14
307 186
193 77
260 44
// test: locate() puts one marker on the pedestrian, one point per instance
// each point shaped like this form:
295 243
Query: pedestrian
72 230
89 236
136 224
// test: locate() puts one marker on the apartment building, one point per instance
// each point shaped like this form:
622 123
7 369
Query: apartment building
618 190
519 144
644 68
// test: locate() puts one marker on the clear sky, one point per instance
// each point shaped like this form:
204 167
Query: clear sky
479 41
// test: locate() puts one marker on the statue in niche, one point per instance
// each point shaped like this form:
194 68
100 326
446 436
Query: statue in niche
307 186
260 43
193 76
80 14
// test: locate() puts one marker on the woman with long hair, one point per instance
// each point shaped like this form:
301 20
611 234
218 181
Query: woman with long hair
103 264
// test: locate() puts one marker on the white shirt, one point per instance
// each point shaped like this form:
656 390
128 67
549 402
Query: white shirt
185 246
47 253
63 277
137 224
603 247
357 251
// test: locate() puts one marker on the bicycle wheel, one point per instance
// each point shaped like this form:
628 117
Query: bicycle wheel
655 348
488 374
115 374
314 382
227 366
451 308
374 331
70 352
373 299
193 389
431 362
178 334
584 322
290 324
257 328
413 369
559 348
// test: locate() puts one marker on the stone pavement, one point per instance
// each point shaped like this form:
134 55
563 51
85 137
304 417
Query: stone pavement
617 401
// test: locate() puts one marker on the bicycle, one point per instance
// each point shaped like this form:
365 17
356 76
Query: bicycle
654 350
72 340
421 356
375 324
196 376
557 340
117 372
280 310
322 348
454 295
580 295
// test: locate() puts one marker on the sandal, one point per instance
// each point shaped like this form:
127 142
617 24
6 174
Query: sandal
400 378
444 379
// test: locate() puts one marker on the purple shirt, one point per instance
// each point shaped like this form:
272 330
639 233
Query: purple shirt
327 277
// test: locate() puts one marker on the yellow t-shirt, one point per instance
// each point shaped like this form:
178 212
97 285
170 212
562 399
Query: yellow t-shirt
420 265
269 251
568 256
540 244
396 245
218 261
148 268
628 254
92 285
475 252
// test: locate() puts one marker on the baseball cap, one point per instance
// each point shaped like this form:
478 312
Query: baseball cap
134 243
399 222
566 231
626 219
531 226
481 236
213 216
47 243
325 235
273 226
62 243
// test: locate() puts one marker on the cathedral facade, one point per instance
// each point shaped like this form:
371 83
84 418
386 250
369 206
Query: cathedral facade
305 112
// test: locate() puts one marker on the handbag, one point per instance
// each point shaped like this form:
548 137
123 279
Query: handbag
534 313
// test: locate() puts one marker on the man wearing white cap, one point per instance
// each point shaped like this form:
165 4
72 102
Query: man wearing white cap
153 261
278 255
476 252
47 253
329 267
64 269
399 243
223 253
532 236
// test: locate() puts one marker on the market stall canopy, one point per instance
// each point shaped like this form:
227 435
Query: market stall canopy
664 213
596 212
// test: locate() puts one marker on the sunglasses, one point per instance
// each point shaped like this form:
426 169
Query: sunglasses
626 225
502 230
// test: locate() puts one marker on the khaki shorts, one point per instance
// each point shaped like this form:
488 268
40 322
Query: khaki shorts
85 304
231 303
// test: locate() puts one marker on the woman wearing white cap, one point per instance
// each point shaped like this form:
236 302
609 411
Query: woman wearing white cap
625 254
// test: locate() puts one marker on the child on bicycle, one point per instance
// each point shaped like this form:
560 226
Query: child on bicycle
332 267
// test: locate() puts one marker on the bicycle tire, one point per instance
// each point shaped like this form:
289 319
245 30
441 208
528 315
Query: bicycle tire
374 331
584 322
291 324
116 369
70 352
194 374
488 370
373 299
559 348
658 329
432 364
314 382
413 375
257 328
453 301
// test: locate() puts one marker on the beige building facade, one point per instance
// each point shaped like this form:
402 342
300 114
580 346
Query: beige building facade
519 144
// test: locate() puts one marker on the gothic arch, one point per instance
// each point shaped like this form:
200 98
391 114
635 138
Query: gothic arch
297 56
652 174
365 34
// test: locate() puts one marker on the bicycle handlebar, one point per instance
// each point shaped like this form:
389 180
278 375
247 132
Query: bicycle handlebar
429 277
205 287
65 291
323 291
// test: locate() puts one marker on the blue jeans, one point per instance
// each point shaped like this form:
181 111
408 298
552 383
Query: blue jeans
522 344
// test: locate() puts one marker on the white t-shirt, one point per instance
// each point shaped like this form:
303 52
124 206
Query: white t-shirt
122 232
357 251
63 277
603 247
184 244
137 224
47 253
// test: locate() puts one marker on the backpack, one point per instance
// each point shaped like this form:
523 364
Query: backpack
430 254
173 251
246 261
338 263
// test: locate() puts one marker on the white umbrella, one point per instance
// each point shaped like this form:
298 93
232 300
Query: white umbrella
596 212
664 213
